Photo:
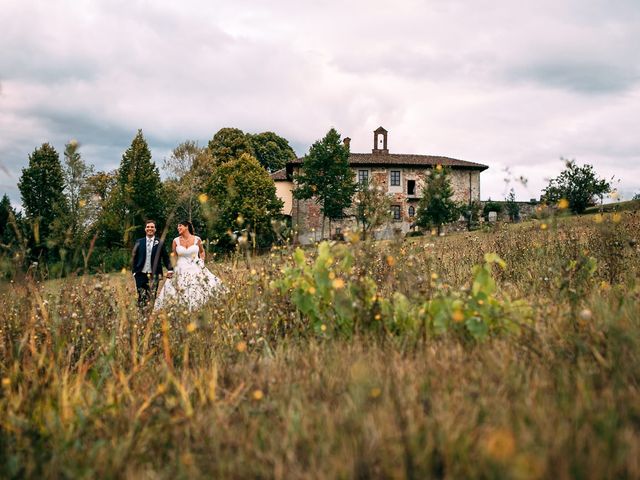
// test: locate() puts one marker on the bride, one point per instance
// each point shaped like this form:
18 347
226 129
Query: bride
192 284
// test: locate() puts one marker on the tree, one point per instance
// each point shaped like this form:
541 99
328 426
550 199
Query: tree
272 151
41 186
512 207
138 192
372 207
229 144
245 197
578 185
184 182
326 177
76 173
436 207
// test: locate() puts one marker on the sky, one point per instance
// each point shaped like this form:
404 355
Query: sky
512 84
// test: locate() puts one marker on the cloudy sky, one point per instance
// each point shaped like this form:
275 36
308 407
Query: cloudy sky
513 84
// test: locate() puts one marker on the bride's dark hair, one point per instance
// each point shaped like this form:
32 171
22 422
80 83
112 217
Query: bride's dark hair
189 226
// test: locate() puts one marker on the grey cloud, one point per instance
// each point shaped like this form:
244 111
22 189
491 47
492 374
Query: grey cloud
580 76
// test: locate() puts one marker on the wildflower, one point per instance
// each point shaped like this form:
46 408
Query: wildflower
160 389
332 275
391 261
203 197
543 226
241 346
616 217
191 327
323 327
500 444
434 276
377 316
375 392
563 204
258 395
585 314
311 290
253 271
439 167
598 218
338 283
457 316
6 381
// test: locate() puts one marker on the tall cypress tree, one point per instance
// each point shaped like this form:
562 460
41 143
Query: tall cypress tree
6 210
138 190
327 177
436 206
42 189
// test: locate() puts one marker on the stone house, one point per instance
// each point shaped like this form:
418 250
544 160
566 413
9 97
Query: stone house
402 177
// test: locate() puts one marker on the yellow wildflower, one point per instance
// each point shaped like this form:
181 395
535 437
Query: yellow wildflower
258 395
457 316
191 327
616 217
375 392
500 444
241 346
203 197
338 283
563 204
391 261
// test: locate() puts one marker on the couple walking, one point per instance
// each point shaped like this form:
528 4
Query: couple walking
190 284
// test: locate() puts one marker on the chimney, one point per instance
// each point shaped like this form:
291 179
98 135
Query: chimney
346 141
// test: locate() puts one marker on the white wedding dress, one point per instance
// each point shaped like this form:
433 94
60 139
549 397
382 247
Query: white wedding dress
192 284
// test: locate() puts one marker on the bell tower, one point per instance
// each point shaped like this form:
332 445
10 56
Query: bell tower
380 141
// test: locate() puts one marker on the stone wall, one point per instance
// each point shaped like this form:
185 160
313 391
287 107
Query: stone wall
307 216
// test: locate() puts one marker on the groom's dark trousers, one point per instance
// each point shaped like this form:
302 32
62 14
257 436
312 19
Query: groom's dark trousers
147 282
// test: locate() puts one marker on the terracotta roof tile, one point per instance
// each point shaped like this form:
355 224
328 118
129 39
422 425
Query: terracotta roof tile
279 175
401 159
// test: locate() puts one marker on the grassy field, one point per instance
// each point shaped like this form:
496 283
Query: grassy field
410 359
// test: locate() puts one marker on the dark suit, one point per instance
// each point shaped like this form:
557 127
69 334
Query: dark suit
147 283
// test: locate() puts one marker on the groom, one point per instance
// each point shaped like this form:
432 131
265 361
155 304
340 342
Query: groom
147 259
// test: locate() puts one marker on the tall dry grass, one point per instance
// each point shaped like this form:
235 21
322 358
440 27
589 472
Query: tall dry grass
246 389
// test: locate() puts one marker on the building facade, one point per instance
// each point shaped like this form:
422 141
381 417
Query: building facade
401 176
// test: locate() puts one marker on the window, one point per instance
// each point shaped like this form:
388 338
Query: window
394 177
395 212
412 211
363 177
411 187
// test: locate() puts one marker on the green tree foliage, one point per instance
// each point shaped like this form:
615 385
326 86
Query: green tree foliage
184 185
229 144
326 177
245 198
76 172
272 151
372 206
42 189
512 207
9 229
436 206
138 192
578 185
491 206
